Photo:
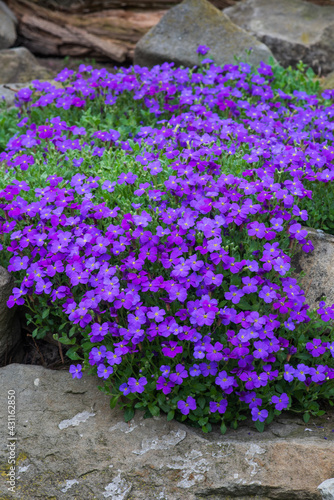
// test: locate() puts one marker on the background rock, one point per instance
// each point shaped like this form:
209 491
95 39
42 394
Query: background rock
7 27
7 92
327 489
328 82
294 30
10 328
197 22
19 65
70 445
318 266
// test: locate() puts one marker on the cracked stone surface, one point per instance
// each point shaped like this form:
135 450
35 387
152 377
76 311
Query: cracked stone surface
318 268
294 30
71 445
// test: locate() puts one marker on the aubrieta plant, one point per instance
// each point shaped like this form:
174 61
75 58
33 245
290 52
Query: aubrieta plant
150 217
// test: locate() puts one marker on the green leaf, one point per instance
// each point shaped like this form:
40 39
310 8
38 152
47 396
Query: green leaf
45 313
155 410
259 425
201 402
306 417
223 428
113 401
170 415
66 340
129 414
72 353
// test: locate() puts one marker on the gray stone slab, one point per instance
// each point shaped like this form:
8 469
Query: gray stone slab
71 445
294 30
192 23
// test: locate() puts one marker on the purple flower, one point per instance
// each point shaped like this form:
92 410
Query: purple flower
257 229
109 186
213 352
234 294
137 385
179 375
318 374
104 371
289 373
164 385
258 414
128 178
224 381
172 349
195 371
186 406
76 371
281 402
316 348
202 49
156 314
220 407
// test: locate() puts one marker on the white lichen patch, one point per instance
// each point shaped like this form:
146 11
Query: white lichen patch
36 382
21 469
76 420
123 427
168 441
193 468
224 450
69 484
253 450
117 489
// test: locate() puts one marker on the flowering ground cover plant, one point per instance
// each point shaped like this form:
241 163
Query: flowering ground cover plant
150 216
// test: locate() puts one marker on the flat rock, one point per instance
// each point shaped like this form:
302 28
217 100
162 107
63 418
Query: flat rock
192 23
318 268
294 30
10 328
18 65
7 27
71 445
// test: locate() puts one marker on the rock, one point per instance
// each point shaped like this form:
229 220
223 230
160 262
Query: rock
10 328
71 445
294 30
327 489
328 82
192 23
7 27
19 65
7 92
318 266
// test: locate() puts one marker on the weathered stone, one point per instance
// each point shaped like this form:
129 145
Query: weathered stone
192 23
70 445
294 30
327 489
7 27
8 92
328 82
18 65
10 328
318 268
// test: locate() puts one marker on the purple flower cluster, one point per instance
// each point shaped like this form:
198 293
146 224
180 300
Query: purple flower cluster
199 270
